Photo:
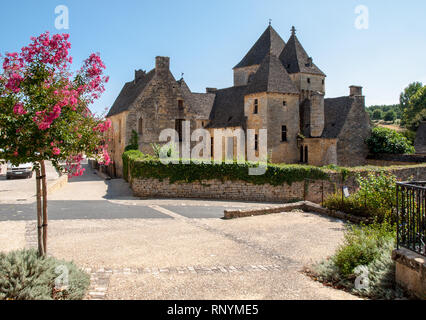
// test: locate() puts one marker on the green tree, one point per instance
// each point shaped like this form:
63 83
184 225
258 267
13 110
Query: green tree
390 116
384 140
416 110
377 115
405 101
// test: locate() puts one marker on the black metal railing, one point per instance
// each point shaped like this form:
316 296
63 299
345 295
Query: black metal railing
411 206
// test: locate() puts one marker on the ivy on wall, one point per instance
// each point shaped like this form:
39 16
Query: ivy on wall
143 166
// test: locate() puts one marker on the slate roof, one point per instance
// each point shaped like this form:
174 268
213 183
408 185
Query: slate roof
271 77
336 111
129 94
269 42
200 104
420 142
228 108
295 59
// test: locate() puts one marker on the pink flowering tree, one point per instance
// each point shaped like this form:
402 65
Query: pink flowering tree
44 114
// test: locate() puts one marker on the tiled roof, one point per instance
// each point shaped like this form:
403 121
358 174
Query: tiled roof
130 92
295 59
200 104
271 77
269 42
228 108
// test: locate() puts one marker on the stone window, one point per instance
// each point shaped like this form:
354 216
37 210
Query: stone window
309 80
212 146
180 104
140 126
256 142
284 133
306 154
256 106
323 81
179 128
119 131
284 103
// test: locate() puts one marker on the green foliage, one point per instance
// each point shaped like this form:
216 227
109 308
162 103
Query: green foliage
26 276
379 112
415 112
361 246
377 115
390 116
410 135
157 150
143 166
384 140
376 197
134 142
406 101
367 248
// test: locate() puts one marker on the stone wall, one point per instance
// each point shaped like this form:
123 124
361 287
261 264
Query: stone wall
314 191
411 272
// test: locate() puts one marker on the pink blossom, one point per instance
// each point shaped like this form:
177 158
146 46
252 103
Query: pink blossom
56 151
19 109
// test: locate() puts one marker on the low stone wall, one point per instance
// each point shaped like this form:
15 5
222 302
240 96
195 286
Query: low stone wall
384 160
411 272
314 191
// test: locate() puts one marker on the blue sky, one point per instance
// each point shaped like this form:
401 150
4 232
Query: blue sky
205 39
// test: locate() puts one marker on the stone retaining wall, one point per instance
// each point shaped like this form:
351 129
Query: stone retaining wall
411 272
313 191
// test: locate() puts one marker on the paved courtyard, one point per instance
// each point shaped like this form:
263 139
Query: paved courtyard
175 249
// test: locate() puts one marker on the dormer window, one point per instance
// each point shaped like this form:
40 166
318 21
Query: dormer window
256 106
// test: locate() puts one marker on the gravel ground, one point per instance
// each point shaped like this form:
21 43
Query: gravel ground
144 243
12 236
244 286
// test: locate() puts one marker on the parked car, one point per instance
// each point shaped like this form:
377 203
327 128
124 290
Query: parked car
24 170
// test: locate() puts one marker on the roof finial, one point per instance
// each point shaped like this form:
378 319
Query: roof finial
270 22
293 31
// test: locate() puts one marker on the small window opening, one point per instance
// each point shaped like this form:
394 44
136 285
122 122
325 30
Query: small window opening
284 133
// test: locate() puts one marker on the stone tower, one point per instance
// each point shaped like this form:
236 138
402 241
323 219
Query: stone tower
310 81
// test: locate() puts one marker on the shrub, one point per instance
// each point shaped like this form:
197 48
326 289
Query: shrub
384 140
26 276
376 197
134 142
366 248
145 167
390 116
377 115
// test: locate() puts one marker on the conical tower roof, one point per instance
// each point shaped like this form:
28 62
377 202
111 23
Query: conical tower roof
295 59
269 42
271 77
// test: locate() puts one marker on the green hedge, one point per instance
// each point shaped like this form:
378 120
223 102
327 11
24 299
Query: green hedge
144 166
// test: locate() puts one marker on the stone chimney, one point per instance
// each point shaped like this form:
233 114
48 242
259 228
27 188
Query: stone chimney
355 91
139 74
211 90
162 63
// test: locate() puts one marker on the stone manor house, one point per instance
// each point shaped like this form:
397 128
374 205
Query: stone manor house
277 86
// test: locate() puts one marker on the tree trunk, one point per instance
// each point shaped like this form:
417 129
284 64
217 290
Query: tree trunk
44 193
39 215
